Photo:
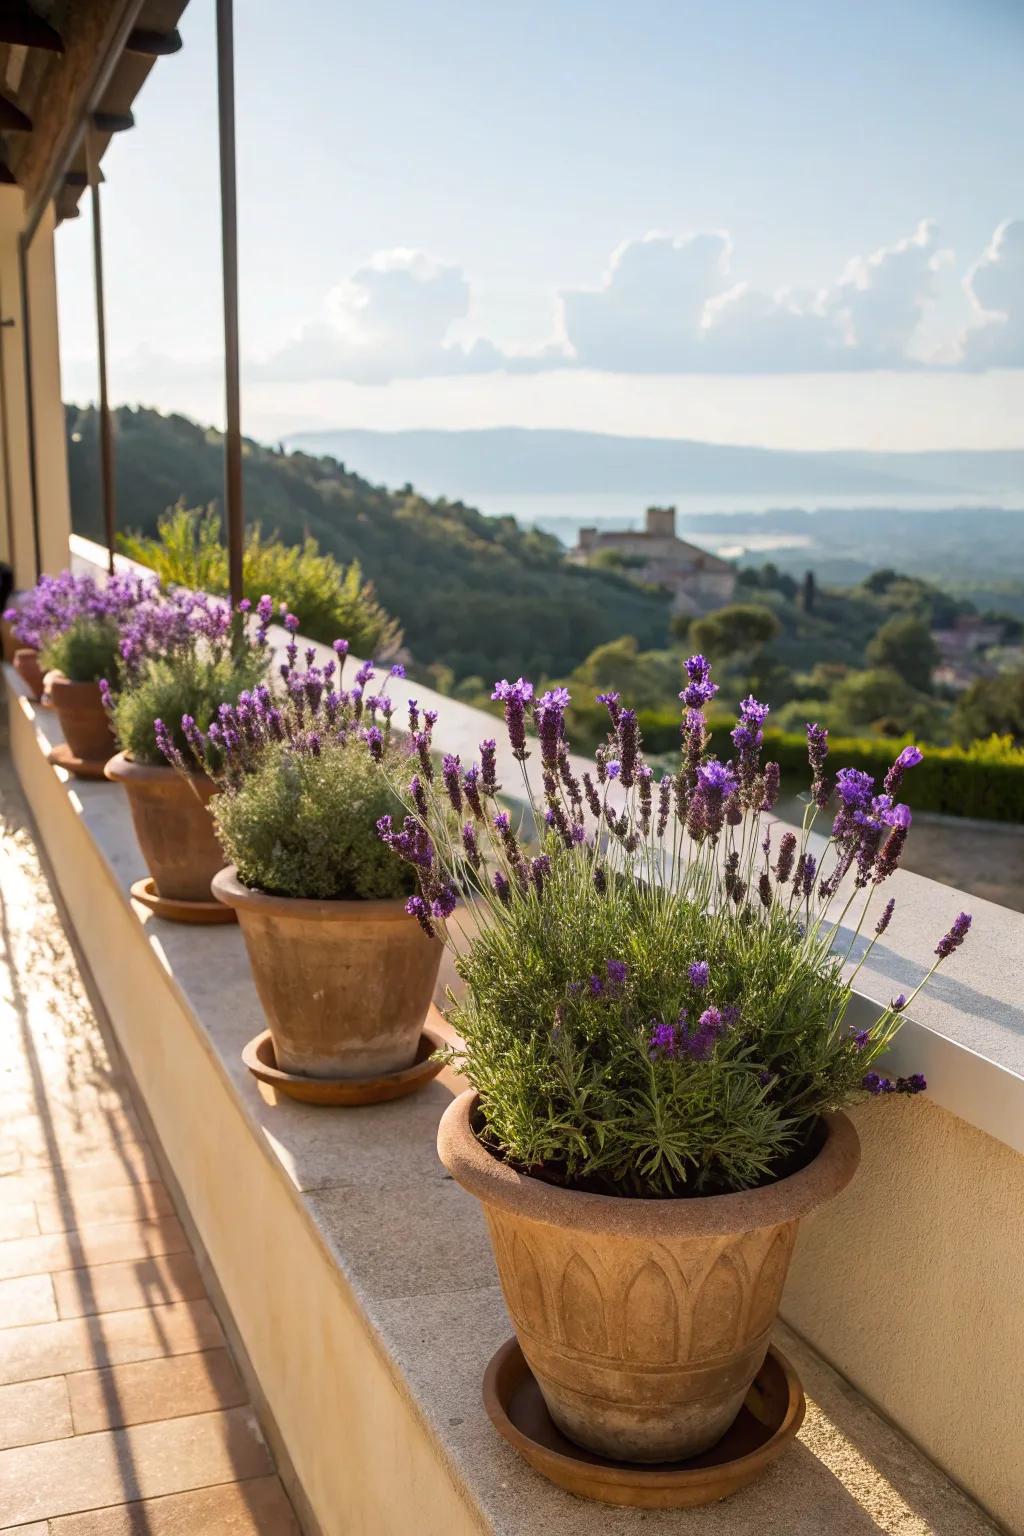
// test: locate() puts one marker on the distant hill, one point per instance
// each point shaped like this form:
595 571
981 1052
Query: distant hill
520 461
479 594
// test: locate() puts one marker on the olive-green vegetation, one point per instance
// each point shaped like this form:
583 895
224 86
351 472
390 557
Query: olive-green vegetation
333 599
191 684
479 595
88 650
301 824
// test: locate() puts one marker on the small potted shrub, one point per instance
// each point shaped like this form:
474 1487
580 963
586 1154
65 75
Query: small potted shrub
186 654
344 974
52 605
654 1028
81 647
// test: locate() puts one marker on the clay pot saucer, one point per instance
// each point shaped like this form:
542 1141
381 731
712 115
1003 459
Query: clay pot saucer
61 756
349 1092
768 1421
201 913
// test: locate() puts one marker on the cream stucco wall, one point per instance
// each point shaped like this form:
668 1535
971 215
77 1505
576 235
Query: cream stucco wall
923 1310
17 543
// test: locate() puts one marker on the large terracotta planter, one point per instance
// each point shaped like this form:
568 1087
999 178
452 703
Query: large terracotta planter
26 664
644 1322
173 826
83 720
345 985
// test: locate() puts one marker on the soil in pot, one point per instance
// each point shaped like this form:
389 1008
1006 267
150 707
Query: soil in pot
26 664
345 985
644 1322
173 826
83 720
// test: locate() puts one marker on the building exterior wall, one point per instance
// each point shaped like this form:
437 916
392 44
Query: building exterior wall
17 539
922 1311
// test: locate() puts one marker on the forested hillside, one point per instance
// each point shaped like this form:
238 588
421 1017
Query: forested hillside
479 594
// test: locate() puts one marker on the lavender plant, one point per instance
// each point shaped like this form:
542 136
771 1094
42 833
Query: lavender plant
183 653
656 998
301 780
75 622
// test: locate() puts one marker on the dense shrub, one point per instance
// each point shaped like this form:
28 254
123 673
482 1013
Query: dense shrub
332 598
86 652
301 824
984 780
195 685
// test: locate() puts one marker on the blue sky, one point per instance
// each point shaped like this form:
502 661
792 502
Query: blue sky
793 224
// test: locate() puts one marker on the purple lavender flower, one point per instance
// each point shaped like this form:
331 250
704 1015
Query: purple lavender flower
502 888
699 690
469 843
629 745
612 769
886 917
772 780
374 740
664 804
611 703
817 752
445 902
915 1083
748 738
549 718
898 1003
488 765
662 1039
451 775
699 973
397 669
515 696
417 908
471 790
787 853
764 889
715 781
908 758
618 971
600 880
955 937
540 869
861 1039
596 986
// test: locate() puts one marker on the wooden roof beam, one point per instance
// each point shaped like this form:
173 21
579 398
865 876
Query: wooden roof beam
12 118
113 122
153 45
20 26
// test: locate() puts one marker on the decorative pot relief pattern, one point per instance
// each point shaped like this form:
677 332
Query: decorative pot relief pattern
654 1304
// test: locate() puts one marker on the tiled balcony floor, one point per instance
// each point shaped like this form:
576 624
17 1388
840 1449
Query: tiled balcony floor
121 1410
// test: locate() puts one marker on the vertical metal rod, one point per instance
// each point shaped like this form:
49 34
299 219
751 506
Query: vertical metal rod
106 425
233 493
6 323
30 400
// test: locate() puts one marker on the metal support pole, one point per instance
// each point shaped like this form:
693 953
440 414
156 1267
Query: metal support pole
6 323
233 494
106 425
30 400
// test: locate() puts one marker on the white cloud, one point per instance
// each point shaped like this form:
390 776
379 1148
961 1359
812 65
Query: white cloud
390 320
670 305
995 287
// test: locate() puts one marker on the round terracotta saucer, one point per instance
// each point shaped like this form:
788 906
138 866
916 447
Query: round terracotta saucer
766 1424
61 756
202 913
347 1091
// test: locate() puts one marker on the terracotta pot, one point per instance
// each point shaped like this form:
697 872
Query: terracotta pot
26 664
644 1322
173 826
345 985
83 719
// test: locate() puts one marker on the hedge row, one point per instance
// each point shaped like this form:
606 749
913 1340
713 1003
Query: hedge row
984 780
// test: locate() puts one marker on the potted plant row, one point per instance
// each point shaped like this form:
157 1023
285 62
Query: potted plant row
655 1035
345 977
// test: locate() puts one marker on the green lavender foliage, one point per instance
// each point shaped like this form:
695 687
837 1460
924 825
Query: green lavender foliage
568 1080
86 652
194 684
304 825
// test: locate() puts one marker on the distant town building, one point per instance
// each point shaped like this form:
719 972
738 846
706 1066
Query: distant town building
697 580
967 651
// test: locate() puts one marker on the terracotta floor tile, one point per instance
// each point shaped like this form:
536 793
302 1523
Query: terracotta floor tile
104 1244
147 1282
27 1299
90 1343
37 1528
91 1208
258 1507
134 1164
63 1477
154 1389
32 1411
17 1220
64 1137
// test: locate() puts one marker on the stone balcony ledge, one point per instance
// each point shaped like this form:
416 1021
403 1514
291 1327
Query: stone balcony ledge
359 1276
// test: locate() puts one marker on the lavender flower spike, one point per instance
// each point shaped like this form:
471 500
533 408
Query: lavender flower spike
515 696
955 937
908 758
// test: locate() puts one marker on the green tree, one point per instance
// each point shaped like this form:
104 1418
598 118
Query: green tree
741 629
992 706
904 644
646 679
